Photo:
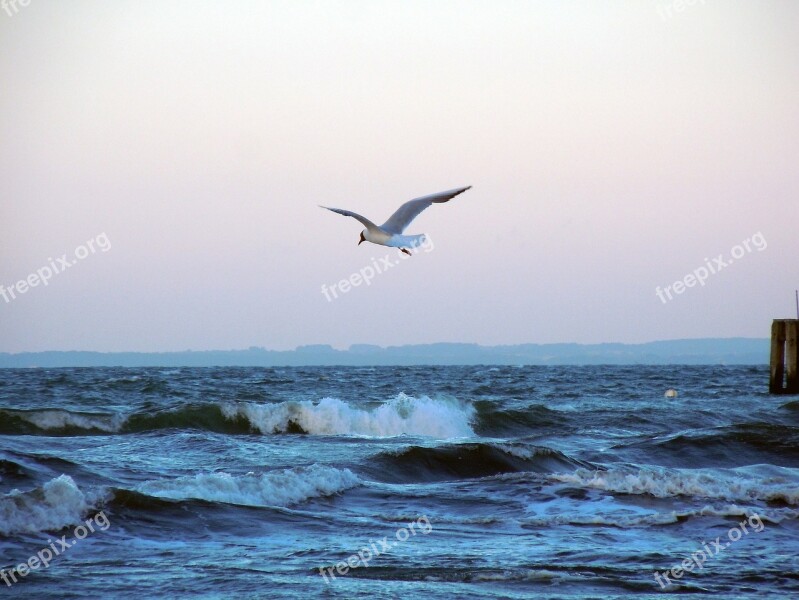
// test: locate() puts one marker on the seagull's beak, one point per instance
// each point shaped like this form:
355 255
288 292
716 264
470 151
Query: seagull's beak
362 240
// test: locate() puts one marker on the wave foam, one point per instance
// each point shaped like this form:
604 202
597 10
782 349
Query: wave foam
622 518
330 416
55 419
666 483
275 488
57 504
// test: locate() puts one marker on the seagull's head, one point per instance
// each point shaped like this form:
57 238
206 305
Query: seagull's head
363 238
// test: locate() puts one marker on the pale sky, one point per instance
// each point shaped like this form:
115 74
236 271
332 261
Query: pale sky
612 147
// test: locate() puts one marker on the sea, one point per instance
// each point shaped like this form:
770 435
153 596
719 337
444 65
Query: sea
435 482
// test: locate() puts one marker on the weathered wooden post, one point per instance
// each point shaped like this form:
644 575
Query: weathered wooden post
791 357
784 378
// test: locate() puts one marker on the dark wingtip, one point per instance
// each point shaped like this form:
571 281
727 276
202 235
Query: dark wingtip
451 194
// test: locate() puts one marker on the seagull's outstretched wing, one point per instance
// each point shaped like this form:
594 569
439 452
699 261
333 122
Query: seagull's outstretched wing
348 213
410 210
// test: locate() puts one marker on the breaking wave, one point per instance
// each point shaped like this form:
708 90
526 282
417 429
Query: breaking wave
471 460
58 421
57 504
665 483
402 415
330 416
275 488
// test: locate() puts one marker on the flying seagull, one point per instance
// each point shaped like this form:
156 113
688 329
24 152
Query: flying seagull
390 232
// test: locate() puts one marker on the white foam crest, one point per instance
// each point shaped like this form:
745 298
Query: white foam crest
57 504
131 379
663 483
525 453
649 519
401 415
622 521
60 419
518 575
275 488
773 515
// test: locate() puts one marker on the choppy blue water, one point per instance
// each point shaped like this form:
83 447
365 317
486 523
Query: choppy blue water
434 482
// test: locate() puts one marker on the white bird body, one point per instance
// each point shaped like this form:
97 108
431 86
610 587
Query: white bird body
395 240
390 233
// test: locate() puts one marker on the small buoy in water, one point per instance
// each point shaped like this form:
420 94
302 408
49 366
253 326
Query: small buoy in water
671 393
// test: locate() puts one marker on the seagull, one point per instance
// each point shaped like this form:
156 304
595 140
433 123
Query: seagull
390 232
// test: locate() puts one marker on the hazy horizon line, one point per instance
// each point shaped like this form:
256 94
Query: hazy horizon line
325 345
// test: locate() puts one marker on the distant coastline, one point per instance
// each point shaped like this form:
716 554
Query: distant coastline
706 351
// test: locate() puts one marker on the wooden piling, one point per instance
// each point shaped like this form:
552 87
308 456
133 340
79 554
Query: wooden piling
791 357
784 377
